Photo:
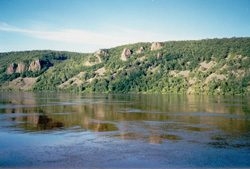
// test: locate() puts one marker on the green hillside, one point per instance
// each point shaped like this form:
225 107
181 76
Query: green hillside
212 66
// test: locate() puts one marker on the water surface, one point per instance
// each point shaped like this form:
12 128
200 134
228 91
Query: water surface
58 130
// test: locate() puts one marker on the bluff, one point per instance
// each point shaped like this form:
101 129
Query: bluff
211 66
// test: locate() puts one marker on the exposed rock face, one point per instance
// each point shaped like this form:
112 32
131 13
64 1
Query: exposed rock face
100 71
156 46
159 55
140 50
21 67
215 76
101 52
205 66
22 83
35 66
126 53
11 68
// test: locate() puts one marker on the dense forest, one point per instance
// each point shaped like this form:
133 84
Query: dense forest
211 66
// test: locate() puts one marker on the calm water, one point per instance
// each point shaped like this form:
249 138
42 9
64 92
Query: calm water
123 131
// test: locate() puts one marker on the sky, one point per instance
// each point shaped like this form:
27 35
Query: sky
88 25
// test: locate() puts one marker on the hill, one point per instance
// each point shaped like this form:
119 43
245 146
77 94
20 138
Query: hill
213 66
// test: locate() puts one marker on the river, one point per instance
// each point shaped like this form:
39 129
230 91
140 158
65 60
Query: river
60 130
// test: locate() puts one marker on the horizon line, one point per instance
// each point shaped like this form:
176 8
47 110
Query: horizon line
185 40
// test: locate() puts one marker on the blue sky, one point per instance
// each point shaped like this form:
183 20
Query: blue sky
87 25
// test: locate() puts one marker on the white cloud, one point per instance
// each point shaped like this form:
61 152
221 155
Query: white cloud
109 38
63 35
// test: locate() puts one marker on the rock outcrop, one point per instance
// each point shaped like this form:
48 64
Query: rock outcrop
140 50
21 83
156 46
159 55
21 67
101 52
126 53
11 68
35 66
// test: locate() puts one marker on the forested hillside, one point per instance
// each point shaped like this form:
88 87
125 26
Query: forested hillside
212 66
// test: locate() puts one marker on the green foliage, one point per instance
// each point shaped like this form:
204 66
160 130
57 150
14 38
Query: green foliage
160 71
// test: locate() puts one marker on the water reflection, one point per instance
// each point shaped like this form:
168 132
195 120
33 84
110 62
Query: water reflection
153 118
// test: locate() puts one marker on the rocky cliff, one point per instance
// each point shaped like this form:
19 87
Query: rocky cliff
35 66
